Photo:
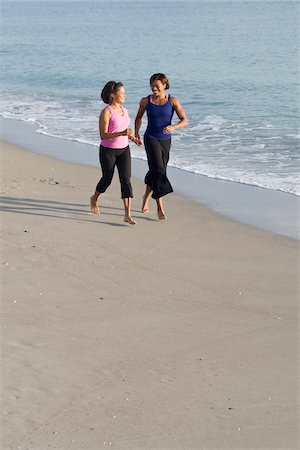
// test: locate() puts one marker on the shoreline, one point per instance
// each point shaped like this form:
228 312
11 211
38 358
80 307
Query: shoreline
274 211
166 334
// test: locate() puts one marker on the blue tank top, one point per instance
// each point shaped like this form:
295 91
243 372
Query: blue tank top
159 116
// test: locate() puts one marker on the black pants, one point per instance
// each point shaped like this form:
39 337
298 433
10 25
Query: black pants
109 158
158 157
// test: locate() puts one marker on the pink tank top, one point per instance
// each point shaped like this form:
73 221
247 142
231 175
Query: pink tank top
117 122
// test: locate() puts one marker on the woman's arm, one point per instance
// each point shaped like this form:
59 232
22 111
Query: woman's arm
139 115
104 119
183 121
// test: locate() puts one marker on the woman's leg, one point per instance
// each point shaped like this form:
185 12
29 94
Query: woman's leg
148 182
158 156
160 209
165 158
127 207
123 163
146 198
94 203
107 161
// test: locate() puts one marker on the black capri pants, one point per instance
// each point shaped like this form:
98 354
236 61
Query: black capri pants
158 156
109 159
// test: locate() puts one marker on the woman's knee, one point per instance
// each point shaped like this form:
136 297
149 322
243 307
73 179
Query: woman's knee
125 181
126 187
104 183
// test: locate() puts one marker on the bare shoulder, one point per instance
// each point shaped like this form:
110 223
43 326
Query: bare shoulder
105 113
174 101
142 107
143 102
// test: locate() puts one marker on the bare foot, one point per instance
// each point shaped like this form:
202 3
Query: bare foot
161 215
145 205
129 219
94 206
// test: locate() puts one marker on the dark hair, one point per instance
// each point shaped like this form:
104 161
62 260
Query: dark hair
110 88
161 77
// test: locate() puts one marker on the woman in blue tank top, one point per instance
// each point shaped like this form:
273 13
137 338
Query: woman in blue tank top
160 108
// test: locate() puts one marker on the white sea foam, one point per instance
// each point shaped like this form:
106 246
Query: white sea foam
31 119
214 146
290 185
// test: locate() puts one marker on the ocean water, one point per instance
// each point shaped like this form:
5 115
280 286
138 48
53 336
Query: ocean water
232 64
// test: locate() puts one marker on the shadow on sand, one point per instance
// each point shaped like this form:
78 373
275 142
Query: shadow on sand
61 210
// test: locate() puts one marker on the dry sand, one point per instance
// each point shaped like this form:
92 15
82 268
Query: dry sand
179 334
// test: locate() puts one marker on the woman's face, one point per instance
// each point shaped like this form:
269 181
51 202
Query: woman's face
119 96
158 87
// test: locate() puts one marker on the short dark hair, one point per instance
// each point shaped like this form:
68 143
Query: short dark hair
161 77
110 88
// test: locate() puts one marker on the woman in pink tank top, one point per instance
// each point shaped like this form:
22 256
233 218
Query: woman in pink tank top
114 149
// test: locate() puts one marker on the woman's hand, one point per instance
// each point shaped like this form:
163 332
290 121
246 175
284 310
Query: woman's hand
169 129
137 141
130 132
127 132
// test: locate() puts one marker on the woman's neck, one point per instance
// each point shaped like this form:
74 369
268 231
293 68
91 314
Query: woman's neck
115 105
161 96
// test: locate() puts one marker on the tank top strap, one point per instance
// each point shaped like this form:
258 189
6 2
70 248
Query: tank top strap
123 110
168 99
110 109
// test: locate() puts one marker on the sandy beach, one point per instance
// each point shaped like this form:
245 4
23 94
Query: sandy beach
177 334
